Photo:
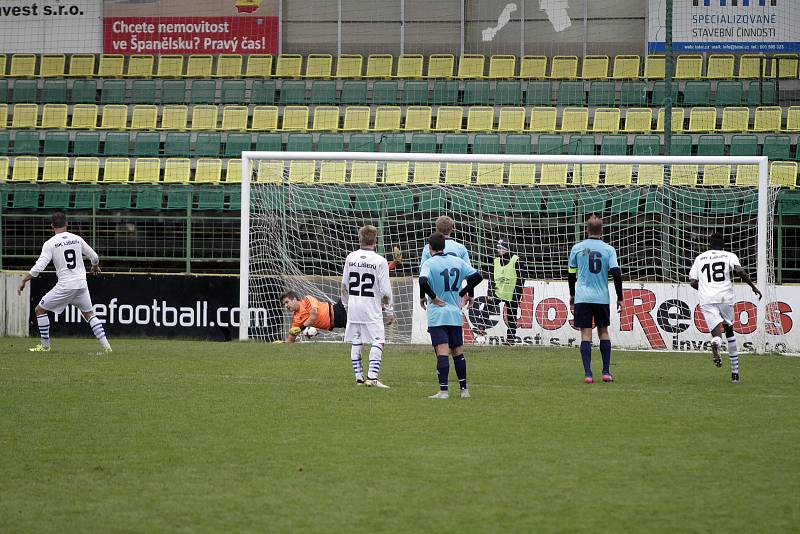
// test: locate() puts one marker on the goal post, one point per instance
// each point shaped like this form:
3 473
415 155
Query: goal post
301 212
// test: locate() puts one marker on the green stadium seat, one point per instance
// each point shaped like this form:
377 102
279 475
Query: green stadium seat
423 143
210 198
26 143
789 202
571 94
333 197
455 144
117 144
5 139
86 144
24 91
729 93
646 145
691 202
293 92
56 144
355 92
234 198
384 93
581 145
633 94
112 92
177 144
528 201
208 145
559 202
179 197
173 92
464 201
593 201
539 93
724 205
57 196
777 147
3 92
83 92
550 144
445 92
744 145
368 199
25 197
304 198
147 144
300 142
508 93
625 202
118 197
330 142
236 143
614 145
149 197
476 93
262 92
432 201
143 92
362 143
486 144
711 145
323 92
660 93
203 92
233 92
761 93
399 199
518 144
697 93
53 92
87 197
681 145
602 93
497 201
395 142
269 142
415 93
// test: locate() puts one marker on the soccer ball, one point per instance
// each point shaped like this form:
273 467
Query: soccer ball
480 340
310 332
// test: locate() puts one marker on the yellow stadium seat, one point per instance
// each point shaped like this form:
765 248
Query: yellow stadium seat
396 172
489 174
147 171
582 174
521 174
233 172
409 66
3 116
174 117
702 120
735 119
543 120
502 66
81 65
295 119
441 66
684 175
752 65
356 118
767 119
458 173
56 169
115 117
302 172
177 170
785 65
3 62
387 118
689 66
448 119
140 66
655 67
619 174
595 68
746 176
480 119
234 118
512 119
26 169
229 66
289 66
364 172
52 65
553 174
650 175
349 66
326 119
379 65
783 173
332 172
638 120
678 115
269 172
86 170
199 66
317 65
626 67
564 68
793 119
208 171
258 66
4 165
25 116
720 66
145 117
426 172
265 119
170 66
716 175
471 66
54 116
204 117
606 120
575 120
23 66
111 66
533 67
84 117
117 170
418 119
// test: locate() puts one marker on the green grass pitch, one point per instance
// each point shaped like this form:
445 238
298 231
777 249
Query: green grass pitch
186 436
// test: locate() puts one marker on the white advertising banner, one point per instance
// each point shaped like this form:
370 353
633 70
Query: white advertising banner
51 26
654 316
727 26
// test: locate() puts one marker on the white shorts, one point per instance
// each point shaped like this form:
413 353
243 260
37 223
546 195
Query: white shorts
372 333
717 313
59 298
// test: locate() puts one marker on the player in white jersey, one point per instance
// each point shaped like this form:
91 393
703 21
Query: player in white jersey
711 277
367 295
66 251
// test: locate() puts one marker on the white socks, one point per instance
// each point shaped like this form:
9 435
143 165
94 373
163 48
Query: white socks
99 332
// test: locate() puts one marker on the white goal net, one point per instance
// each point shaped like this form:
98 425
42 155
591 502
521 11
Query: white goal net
301 213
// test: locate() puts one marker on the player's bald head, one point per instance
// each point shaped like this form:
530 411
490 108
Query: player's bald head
444 225
367 236
58 220
594 226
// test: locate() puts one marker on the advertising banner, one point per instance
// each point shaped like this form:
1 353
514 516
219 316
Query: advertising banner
654 316
727 26
196 27
51 26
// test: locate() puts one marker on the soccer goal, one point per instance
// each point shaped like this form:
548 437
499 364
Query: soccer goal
301 212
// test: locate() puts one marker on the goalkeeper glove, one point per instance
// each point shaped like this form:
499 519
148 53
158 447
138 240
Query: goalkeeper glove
295 331
397 255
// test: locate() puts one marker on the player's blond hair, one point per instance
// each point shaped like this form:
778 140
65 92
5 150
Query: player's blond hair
444 225
367 235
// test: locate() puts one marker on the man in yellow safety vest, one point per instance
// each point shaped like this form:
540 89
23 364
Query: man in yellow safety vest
506 285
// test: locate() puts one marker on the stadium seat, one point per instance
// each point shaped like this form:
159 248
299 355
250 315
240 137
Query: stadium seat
174 117
112 92
492 174
147 144
293 92
471 66
55 144
179 196
729 93
767 119
204 118
716 176
409 66
114 117
291 65
539 93
330 142
3 63
697 93
395 142
744 145
203 92
140 66
147 170
349 66
84 117
777 147
660 93
317 65
199 66
3 90
564 68
689 66
269 142
681 145
458 173
602 93
594 68
512 119
626 67
445 92
571 94
356 119
233 92
233 174
23 66
363 143
508 93
581 145
236 143
354 92
210 197
650 175
476 93
364 172
638 120
208 145
550 145
574 120
502 66
533 67
486 144
322 92
86 144
117 144
25 169
711 145
554 174
229 66
684 175
720 67
379 65
26 143
5 140
423 143
480 119
735 119
522 174
440 66
25 92
543 120
57 195
449 119
334 172
234 118
116 170
56 169
52 65
208 171
54 116
619 175
783 173
678 115
793 119
655 67
385 93
258 66
302 172
416 92
169 66
762 93
300 142
144 117
174 92
614 145
418 118
633 94
81 66
752 65
86 170
267 172
177 170
326 119
427 172
25 116
265 119
583 174
387 118
455 144
784 66
519 144
3 172
262 92
3 116
702 120
396 172
606 120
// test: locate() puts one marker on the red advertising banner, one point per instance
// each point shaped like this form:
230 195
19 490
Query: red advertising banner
190 35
